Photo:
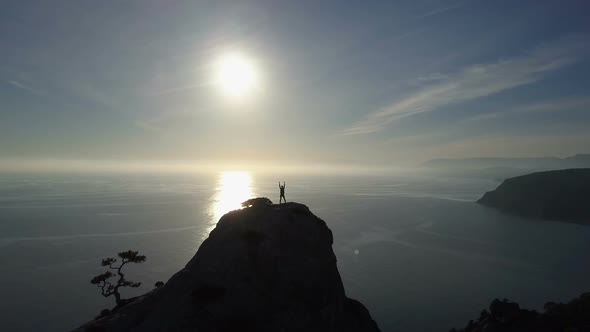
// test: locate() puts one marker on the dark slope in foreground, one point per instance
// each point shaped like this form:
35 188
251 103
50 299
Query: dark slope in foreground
505 316
553 195
263 268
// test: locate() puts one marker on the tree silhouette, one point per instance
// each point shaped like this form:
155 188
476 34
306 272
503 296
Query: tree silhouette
106 287
256 202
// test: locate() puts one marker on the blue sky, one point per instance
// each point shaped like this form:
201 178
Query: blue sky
364 82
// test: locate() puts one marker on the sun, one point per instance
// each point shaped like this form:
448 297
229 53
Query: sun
236 75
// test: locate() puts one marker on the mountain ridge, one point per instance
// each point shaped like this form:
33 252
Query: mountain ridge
263 268
578 160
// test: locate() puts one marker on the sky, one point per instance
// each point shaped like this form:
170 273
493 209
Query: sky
340 82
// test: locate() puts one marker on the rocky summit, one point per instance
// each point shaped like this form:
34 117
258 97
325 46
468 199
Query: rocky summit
263 268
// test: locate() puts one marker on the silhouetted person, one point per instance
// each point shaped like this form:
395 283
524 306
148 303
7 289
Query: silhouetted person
282 188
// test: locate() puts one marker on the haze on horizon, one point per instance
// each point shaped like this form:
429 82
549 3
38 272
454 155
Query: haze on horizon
262 83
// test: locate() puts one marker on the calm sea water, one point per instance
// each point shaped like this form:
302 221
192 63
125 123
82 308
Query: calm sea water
415 250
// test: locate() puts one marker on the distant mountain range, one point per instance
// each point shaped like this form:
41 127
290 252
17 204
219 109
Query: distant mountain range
504 167
579 160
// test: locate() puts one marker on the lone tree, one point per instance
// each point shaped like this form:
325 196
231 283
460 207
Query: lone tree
256 202
106 287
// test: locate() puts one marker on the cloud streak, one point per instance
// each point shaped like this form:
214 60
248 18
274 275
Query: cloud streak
474 82
179 89
564 104
25 87
443 9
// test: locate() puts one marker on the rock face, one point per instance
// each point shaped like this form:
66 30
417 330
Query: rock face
553 195
263 268
506 316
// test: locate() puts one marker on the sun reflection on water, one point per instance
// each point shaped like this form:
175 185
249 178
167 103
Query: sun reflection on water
232 189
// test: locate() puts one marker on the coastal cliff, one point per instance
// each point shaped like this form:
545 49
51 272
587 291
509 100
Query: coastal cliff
562 195
263 268
507 316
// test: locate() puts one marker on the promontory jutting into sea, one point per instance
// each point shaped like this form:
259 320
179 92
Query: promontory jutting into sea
324 166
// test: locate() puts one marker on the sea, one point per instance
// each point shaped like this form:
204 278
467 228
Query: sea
415 249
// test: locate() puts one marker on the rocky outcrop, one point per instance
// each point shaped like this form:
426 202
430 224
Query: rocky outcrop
506 316
554 195
263 268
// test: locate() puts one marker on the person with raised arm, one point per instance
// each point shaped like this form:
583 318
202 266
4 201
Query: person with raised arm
282 189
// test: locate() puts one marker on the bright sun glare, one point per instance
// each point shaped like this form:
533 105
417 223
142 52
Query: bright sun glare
232 189
236 75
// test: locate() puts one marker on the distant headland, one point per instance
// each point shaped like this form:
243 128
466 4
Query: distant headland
562 195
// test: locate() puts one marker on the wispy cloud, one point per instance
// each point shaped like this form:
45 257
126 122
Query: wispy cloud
563 104
474 82
149 125
25 87
441 10
178 89
431 78
164 121
553 141
555 105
